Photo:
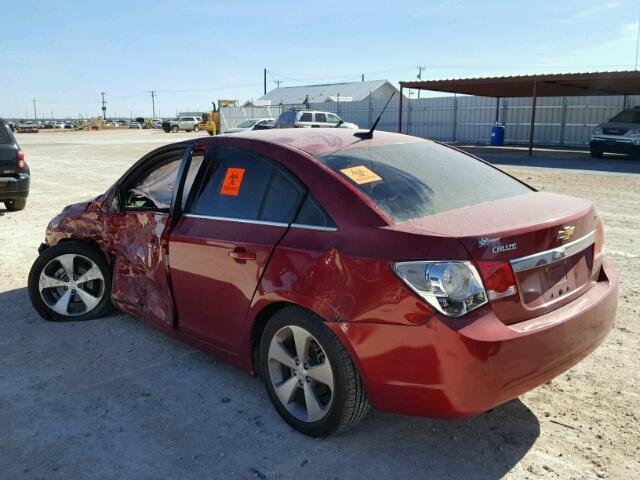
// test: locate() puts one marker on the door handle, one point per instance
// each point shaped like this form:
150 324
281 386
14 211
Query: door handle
241 254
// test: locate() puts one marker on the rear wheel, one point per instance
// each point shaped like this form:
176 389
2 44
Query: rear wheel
309 375
596 153
70 281
15 204
196 128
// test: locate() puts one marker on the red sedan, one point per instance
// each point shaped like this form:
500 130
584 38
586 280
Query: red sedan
346 271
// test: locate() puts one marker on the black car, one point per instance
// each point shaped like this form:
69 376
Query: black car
14 171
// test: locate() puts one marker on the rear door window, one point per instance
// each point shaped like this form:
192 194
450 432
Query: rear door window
321 117
244 185
412 180
305 117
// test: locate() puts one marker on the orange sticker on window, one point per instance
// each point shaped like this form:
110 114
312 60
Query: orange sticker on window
361 174
232 182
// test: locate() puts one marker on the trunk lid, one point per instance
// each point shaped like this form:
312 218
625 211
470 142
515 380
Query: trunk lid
547 238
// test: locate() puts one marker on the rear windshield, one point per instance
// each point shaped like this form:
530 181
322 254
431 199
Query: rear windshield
412 180
628 116
5 136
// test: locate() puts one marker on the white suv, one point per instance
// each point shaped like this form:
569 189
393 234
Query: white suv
311 118
185 124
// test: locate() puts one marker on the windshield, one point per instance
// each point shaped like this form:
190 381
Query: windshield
247 124
412 180
628 116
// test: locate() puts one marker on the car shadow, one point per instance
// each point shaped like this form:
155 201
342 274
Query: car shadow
91 397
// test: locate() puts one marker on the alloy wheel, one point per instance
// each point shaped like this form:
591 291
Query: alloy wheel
71 285
301 374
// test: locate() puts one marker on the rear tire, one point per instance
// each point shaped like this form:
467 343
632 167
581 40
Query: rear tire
196 128
596 153
15 204
70 281
321 390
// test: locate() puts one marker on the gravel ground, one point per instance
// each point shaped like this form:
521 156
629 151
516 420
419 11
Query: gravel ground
112 398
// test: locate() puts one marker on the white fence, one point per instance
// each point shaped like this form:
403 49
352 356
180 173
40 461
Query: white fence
466 119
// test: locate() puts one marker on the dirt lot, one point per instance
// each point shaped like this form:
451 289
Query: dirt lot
112 398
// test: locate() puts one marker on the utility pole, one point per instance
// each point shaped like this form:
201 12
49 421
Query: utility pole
277 82
153 102
35 115
104 108
363 78
420 69
265 81
637 43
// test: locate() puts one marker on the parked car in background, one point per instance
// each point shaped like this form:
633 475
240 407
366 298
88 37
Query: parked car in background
135 126
182 124
15 175
344 269
621 134
311 118
70 125
253 124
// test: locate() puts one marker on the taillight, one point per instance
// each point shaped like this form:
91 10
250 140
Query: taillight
22 165
498 279
453 288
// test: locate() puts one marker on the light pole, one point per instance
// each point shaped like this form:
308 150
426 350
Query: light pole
153 102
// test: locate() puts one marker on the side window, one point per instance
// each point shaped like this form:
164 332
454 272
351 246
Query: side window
321 117
196 165
311 213
331 118
250 187
153 189
305 117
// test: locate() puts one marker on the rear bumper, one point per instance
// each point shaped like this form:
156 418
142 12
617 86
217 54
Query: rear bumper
625 146
12 188
460 368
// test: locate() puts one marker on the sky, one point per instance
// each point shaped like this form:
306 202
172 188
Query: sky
64 53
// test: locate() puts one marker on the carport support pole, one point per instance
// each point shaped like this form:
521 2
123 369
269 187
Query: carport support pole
534 99
497 109
400 111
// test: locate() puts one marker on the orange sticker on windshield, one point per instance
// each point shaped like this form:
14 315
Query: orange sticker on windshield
232 182
361 174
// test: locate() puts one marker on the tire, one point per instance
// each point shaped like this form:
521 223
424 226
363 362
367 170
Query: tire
49 269
15 204
175 129
196 128
596 153
337 409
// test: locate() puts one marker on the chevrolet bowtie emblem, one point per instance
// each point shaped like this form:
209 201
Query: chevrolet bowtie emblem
565 233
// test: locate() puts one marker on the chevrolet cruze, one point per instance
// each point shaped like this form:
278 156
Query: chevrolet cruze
346 269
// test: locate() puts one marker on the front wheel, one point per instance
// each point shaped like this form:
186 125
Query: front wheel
196 128
70 281
309 375
175 129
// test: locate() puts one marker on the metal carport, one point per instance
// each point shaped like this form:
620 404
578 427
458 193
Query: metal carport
534 86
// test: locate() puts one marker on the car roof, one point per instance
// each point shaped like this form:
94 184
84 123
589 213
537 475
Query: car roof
319 141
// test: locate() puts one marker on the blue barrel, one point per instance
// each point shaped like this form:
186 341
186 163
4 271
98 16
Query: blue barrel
497 135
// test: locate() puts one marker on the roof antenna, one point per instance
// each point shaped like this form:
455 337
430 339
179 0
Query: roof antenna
369 134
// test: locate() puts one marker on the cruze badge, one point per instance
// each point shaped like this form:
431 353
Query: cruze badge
565 233
504 247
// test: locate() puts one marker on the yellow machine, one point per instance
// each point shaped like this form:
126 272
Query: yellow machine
211 119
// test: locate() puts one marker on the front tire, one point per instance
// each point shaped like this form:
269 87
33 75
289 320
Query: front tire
70 281
196 128
175 129
15 204
309 376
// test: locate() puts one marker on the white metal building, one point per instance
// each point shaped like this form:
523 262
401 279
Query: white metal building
329 92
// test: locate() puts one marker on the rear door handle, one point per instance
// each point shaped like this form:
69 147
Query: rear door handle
242 254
